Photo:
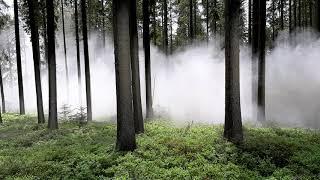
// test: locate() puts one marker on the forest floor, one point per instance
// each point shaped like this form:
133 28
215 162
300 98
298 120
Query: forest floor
30 151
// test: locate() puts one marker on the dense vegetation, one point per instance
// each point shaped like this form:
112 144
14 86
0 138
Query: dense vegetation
30 151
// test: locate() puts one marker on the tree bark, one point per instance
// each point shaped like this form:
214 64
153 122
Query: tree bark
136 89
233 122
33 14
207 19
18 54
146 45
76 16
290 17
53 116
299 14
191 32
86 59
250 22
295 13
3 100
125 121
165 27
195 6
65 49
316 15
215 20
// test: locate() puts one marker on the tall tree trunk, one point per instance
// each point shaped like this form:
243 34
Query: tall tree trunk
136 90
215 18
76 16
233 122
250 22
261 64
103 25
195 6
65 49
273 21
154 22
299 14
281 15
86 59
33 14
316 15
295 13
171 31
3 100
146 45
207 19
165 27
290 16
125 121
18 53
53 116
310 11
191 32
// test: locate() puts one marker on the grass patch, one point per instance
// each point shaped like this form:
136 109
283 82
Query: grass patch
30 151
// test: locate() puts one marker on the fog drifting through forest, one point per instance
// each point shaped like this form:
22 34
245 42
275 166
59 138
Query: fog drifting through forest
189 85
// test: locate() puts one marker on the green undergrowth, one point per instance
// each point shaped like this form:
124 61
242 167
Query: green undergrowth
30 151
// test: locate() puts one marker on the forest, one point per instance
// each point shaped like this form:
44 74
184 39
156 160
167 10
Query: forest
159 89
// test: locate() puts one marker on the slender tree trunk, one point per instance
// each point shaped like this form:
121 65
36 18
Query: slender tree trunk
3 100
261 64
125 121
250 22
233 122
146 45
86 59
207 19
65 49
171 35
103 25
255 53
33 14
310 11
76 16
281 15
195 6
215 18
165 27
18 53
191 32
53 116
316 15
154 23
273 21
136 90
290 16
299 14
295 13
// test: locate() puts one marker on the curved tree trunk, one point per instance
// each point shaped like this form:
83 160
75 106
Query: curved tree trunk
53 116
136 90
125 121
33 13
86 59
233 122
18 52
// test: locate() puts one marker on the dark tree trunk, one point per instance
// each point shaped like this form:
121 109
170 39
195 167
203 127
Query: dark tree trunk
3 100
53 117
233 122
136 90
65 48
171 31
103 25
33 14
273 21
86 59
125 121
76 16
165 27
261 64
310 12
146 45
18 52
299 14
191 32
215 18
195 6
290 16
154 23
295 13
250 22
316 15
281 15
207 19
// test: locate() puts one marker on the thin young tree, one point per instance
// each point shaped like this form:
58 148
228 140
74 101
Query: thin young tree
34 28
3 100
65 48
146 46
18 55
125 122
165 26
86 59
233 123
53 117
134 49
207 19
76 20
